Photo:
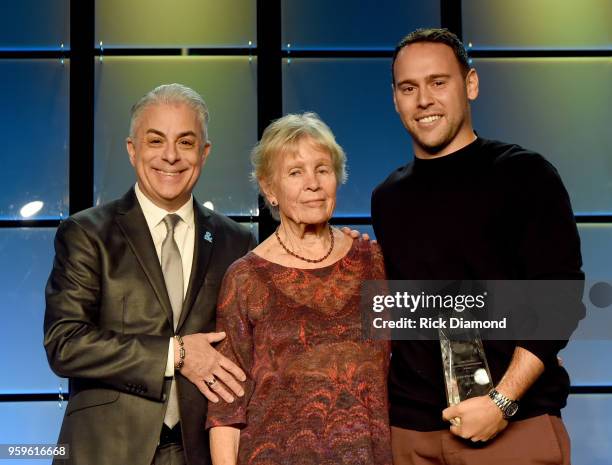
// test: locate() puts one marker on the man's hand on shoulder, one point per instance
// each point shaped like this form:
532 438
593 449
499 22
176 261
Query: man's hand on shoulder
203 363
355 234
479 419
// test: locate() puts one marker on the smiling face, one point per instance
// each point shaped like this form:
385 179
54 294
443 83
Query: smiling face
431 95
167 153
303 184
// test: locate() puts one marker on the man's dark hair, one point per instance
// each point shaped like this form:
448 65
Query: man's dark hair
439 36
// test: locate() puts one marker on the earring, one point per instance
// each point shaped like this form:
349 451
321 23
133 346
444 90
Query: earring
274 203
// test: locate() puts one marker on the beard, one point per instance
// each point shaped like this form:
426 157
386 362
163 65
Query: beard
432 143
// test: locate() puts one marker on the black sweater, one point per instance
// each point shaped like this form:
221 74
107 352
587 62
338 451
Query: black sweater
488 211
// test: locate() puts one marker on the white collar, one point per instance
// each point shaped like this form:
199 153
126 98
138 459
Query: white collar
154 214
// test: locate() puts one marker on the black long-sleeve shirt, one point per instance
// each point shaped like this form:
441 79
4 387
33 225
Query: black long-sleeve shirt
489 211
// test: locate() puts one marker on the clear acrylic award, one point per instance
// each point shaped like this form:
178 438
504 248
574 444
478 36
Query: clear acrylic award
466 371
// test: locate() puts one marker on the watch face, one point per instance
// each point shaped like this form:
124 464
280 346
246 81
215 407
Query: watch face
511 409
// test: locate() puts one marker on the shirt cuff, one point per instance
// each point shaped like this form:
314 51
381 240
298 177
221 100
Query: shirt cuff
169 373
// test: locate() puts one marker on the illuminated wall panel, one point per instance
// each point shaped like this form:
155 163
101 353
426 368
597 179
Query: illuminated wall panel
179 23
596 249
353 96
587 361
34 24
27 254
229 87
34 132
559 107
586 418
541 24
350 24
30 423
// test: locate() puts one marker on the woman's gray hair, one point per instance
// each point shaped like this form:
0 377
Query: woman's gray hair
283 136
168 94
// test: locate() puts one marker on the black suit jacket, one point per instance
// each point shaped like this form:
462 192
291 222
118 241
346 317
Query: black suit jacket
108 320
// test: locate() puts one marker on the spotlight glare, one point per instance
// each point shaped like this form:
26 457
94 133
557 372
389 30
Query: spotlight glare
208 204
31 209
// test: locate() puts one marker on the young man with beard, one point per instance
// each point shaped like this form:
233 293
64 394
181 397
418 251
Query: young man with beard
468 218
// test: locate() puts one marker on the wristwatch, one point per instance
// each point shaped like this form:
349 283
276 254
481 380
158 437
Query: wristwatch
508 406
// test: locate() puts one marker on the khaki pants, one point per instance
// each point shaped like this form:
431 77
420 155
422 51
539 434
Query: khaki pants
541 440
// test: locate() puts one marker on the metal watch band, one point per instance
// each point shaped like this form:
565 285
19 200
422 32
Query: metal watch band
501 401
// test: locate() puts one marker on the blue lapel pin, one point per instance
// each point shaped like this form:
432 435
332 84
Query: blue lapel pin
208 237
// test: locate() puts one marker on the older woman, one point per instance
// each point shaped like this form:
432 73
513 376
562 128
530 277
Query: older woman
316 392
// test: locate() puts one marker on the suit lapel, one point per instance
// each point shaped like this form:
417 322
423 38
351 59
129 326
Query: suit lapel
202 250
132 222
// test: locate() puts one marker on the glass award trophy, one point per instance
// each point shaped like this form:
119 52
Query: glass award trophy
466 371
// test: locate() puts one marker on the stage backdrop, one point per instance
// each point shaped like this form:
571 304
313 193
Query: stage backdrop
545 73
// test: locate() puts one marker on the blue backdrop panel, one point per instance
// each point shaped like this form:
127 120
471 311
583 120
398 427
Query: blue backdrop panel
229 87
30 423
353 96
587 418
34 24
34 130
541 24
350 24
179 23
588 361
596 246
27 255
559 107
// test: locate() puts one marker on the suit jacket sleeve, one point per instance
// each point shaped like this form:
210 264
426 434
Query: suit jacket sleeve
76 345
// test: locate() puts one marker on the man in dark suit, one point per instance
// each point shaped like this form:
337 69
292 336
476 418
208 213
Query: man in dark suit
129 279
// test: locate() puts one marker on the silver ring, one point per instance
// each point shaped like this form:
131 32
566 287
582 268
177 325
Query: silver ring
210 384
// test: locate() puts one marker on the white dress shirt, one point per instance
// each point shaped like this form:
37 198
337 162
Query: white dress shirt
184 236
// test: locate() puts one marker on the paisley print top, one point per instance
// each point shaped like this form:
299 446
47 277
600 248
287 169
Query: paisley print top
316 392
